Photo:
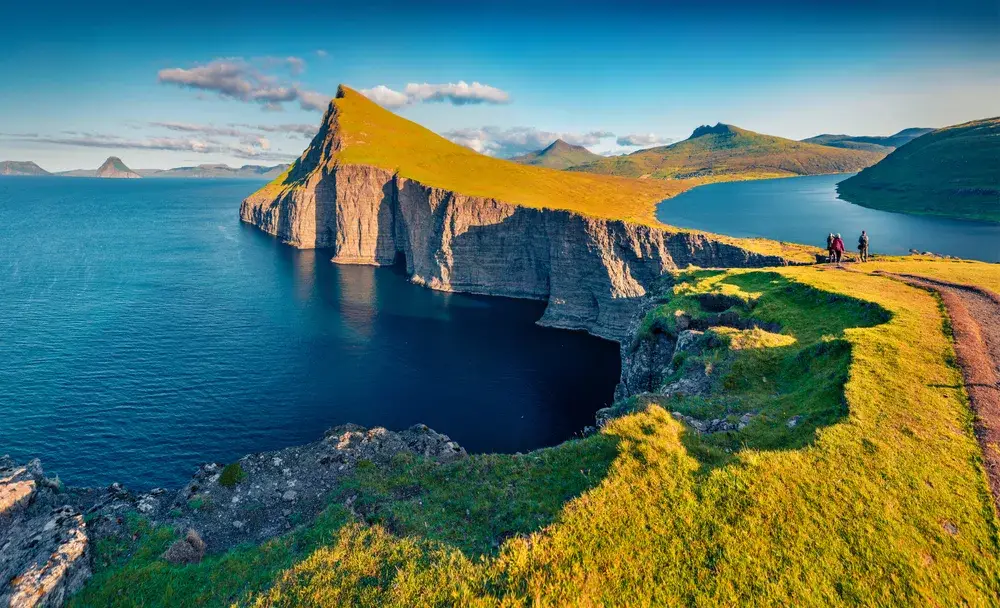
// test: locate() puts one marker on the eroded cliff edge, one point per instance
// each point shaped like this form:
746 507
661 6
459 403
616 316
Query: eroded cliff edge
590 270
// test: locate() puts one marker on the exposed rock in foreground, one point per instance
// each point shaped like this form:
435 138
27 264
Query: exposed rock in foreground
44 548
45 545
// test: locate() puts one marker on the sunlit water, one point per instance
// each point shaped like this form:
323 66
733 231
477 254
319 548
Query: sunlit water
144 330
806 209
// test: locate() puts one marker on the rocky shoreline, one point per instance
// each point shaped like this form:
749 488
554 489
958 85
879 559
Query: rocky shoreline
47 530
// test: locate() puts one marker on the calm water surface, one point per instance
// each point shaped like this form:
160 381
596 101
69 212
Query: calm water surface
806 209
144 330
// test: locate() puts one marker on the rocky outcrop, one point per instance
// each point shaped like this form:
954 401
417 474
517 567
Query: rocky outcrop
591 271
115 168
44 548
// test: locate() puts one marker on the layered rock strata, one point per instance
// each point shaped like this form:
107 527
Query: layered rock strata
591 271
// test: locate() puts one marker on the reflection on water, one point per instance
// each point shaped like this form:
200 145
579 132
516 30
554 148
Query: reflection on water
806 209
210 347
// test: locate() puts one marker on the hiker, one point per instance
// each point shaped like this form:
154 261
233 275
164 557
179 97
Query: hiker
863 246
829 248
838 248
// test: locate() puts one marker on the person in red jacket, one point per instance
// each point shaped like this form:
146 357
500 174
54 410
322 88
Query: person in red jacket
838 247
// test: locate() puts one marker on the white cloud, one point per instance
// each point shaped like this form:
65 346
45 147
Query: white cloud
508 142
457 93
643 139
386 97
322 53
239 79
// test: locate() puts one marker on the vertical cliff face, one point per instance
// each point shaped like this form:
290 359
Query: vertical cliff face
591 271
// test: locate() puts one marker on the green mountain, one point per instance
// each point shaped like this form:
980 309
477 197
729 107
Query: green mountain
218 170
21 167
558 155
115 168
728 152
952 172
869 142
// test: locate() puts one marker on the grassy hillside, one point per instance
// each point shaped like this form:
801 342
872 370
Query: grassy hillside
728 152
368 134
21 167
359 131
951 172
558 155
875 496
883 144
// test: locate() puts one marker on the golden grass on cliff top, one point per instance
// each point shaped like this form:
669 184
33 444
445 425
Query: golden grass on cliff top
372 135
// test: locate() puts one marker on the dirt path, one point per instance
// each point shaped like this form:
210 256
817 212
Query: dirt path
975 320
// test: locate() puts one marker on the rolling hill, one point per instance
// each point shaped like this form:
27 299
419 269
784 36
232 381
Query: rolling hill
21 167
558 155
726 152
951 172
874 143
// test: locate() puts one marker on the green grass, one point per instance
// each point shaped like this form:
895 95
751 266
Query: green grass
951 172
232 474
725 152
852 506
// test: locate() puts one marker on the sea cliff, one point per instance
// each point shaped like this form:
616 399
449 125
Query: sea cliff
591 271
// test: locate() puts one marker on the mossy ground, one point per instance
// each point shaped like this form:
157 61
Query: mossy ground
877 498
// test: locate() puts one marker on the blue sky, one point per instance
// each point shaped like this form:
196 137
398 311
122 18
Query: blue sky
189 83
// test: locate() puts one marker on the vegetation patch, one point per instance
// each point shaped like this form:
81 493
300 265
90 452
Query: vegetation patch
232 474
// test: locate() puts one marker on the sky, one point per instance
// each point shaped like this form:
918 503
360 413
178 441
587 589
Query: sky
176 84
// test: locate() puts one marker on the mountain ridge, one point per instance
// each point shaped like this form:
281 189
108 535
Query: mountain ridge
949 172
557 155
722 151
876 143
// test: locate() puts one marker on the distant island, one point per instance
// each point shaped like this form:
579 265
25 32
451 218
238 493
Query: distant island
951 172
726 152
558 155
114 167
15 167
874 143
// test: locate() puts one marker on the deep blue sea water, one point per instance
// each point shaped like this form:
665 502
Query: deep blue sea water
806 209
145 330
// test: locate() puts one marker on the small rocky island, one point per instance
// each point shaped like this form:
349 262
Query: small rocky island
116 169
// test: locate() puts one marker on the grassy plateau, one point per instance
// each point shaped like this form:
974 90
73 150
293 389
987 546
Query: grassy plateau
874 496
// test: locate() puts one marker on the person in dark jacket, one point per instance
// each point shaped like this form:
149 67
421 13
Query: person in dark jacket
829 248
838 248
863 246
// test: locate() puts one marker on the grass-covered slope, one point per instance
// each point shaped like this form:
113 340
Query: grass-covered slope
875 497
728 152
558 155
356 130
951 172
875 143
21 167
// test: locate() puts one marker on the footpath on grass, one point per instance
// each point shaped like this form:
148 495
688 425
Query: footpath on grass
975 323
